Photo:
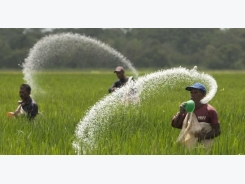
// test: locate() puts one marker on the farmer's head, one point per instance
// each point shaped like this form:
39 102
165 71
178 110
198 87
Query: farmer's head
197 92
120 72
25 91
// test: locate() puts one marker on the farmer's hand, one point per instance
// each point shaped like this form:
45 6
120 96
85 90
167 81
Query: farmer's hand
114 89
181 108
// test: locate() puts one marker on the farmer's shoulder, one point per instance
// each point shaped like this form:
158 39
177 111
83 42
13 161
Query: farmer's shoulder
211 108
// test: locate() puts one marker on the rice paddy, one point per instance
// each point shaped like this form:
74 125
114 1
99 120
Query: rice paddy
64 97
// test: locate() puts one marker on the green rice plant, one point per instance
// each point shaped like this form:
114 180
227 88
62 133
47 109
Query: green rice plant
145 129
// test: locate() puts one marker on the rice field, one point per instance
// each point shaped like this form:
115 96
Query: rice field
64 97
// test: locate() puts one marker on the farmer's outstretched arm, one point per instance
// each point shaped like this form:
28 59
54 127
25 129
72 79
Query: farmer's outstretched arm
113 87
17 111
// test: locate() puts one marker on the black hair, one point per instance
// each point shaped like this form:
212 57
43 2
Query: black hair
26 86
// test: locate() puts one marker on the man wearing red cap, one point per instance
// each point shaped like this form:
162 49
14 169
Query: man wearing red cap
122 79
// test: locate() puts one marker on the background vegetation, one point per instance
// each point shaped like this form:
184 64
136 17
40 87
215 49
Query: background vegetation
147 47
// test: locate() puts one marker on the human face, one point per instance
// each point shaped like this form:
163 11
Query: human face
196 95
120 74
24 94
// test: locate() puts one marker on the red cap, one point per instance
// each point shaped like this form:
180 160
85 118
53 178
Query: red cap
118 69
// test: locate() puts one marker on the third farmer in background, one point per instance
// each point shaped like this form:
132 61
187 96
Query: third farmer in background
122 79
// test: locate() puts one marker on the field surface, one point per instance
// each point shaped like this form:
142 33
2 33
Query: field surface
64 98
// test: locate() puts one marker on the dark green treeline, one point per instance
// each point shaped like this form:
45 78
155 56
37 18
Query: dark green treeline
207 48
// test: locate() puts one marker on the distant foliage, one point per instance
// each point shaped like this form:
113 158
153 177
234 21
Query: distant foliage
145 47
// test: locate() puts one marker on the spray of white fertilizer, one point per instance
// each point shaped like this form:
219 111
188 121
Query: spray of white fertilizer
103 109
51 47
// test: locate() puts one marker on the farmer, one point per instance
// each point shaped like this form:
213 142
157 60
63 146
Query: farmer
122 79
203 114
27 106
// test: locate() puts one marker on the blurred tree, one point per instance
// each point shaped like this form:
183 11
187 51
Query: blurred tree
210 48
